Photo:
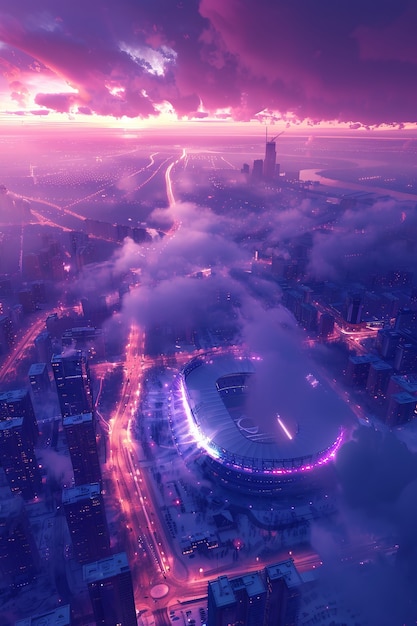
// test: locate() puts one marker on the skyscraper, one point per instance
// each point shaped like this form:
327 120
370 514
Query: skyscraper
284 584
353 308
43 345
7 334
257 169
270 160
17 457
240 600
266 598
39 378
19 557
111 592
73 382
80 433
86 519
18 403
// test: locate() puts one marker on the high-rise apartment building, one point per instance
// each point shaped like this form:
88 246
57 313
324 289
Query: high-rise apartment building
18 403
7 334
17 457
284 585
111 592
39 378
266 598
80 433
87 523
240 600
73 382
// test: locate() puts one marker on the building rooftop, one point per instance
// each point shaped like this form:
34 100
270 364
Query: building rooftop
13 395
82 331
363 358
253 584
287 570
58 617
381 365
404 398
36 369
222 591
8 424
68 355
82 492
407 382
106 568
75 420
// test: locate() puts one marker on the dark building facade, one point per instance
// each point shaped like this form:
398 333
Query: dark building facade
266 598
87 523
73 382
80 433
17 457
111 592
18 403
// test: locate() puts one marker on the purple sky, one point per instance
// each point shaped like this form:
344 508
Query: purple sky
353 61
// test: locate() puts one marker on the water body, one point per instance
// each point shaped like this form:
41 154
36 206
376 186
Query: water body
315 176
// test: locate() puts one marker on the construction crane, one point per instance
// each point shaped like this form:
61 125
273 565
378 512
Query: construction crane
276 136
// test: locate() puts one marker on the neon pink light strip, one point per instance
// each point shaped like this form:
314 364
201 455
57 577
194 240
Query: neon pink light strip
284 428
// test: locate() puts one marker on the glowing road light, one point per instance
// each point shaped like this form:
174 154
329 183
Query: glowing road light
284 428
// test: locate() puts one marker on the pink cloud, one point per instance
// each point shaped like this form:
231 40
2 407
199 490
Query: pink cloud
346 60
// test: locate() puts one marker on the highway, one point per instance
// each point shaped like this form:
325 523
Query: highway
8 367
144 536
47 212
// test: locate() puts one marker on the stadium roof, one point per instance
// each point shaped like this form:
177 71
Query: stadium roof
305 424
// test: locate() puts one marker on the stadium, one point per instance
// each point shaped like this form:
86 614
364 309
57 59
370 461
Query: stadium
211 426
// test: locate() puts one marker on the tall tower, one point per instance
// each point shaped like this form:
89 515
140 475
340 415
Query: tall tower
257 169
240 600
270 160
86 519
17 457
111 592
269 597
271 169
284 585
80 433
73 382
18 403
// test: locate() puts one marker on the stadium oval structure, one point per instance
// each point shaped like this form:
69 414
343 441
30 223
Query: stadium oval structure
210 425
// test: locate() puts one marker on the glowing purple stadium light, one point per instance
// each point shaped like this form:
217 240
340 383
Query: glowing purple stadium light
201 441
268 467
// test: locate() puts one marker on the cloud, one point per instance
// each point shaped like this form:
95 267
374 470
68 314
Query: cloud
376 512
58 466
379 236
341 61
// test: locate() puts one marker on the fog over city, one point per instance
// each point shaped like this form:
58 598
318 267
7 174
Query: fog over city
208 313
